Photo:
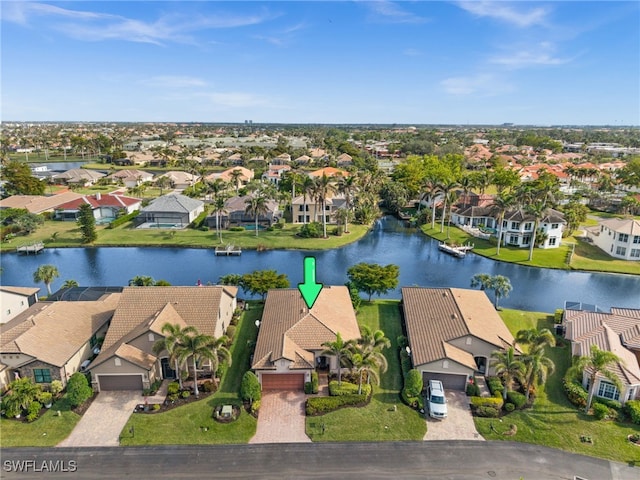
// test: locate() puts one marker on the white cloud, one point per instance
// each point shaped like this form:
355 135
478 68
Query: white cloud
482 84
389 12
173 81
539 55
506 12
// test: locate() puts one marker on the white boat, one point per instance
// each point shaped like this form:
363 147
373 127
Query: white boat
456 250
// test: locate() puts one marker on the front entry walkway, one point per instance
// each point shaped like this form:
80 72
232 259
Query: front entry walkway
281 418
101 424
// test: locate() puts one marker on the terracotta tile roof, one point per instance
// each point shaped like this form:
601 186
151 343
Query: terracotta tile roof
54 331
329 172
290 330
99 200
435 316
38 203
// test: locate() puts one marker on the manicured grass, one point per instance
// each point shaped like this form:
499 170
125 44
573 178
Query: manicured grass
553 421
124 235
590 257
46 431
182 425
378 421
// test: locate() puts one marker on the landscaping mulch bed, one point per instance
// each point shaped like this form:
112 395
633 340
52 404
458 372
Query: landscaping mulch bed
168 405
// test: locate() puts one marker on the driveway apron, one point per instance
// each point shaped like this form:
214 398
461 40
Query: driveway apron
102 423
281 418
459 423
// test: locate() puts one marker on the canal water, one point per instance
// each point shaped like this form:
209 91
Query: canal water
420 262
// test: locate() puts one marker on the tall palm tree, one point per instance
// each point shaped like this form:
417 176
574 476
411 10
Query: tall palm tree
197 346
501 204
367 362
235 178
501 287
348 186
508 367
445 187
325 187
450 199
339 349
373 339
70 284
537 210
537 367
482 280
466 183
256 206
162 183
46 274
219 208
172 342
431 190
535 338
597 364
308 186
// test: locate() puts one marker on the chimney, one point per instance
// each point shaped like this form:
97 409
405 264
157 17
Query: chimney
98 196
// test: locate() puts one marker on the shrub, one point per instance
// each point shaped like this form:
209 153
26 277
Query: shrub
308 388
613 404
600 411
495 385
557 317
123 219
413 383
45 398
56 387
517 398
78 389
172 397
473 390
320 405
495 402
278 225
33 411
255 406
173 388
509 407
209 386
314 382
250 387
405 361
185 394
231 331
155 407
311 230
236 229
199 220
485 411
337 231
632 409
575 393
347 388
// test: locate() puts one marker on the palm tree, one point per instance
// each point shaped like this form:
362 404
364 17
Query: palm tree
339 349
308 186
219 209
70 284
431 190
162 183
597 364
373 340
256 206
367 362
324 188
466 183
141 281
450 198
502 203
348 186
508 367
172 342
198 346
46 274
482 280
501 287
235 178
537 367
537 210
445 187
536 338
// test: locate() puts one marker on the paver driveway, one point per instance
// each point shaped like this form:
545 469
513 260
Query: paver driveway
459 423
101 424
281 418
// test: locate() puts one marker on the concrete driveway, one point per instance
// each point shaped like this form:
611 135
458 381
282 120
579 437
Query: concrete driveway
101 424
459 423
281 418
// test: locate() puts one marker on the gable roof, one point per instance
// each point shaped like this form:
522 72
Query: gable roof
54 331
289 330
173 202
329 172
436 316
629 226
38 203
100 200
78 174
22 291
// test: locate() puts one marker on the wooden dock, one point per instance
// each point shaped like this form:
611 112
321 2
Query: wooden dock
228 250
34 248
456 250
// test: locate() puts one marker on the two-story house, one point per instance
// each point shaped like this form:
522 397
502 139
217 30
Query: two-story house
618 237
518 226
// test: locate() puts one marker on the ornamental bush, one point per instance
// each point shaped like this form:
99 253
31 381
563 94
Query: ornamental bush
473 390
495 385
123 219
575 393
78 389
477 402
33 411
600 411
485 411
321 405
509 407
173 388
413 383
311 230
517 398
250 387
347 388
632 409
314 382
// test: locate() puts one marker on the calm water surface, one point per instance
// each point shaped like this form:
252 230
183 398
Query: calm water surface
420 262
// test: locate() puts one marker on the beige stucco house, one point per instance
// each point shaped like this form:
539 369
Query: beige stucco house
289 346
452 333
15 300
127 360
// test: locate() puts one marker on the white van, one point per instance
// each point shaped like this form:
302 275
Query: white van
436 401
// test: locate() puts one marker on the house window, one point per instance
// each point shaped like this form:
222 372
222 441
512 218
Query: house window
151 337
636 239
621 251
8 311
635 253
513 240
623 237
554 225
528 226
608 390
301 208
42 375
117 362
526 240
515 225
552 241
445 364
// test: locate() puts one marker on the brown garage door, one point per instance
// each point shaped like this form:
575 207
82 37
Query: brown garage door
120 382
449 380
283 381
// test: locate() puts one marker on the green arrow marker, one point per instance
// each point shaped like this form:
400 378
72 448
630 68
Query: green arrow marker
310 289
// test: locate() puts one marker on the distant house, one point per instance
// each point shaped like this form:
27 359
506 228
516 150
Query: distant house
617 332
275 173
171 211
452 333
289 345
105 207
306 209
474 210
619 238
303 160
15 300
329 172
81 177
131 178
282 159
38 203
517 228
344 160
235 213
127 360
180 180
52 340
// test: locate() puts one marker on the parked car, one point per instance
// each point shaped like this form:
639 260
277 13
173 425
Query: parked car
436 400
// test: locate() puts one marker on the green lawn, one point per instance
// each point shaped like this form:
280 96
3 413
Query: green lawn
182 425
47 431
378 421
553 421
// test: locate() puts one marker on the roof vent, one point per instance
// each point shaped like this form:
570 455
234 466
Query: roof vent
444 294
454 316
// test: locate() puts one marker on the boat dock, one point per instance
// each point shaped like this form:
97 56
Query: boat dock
34 248
458 251
228 250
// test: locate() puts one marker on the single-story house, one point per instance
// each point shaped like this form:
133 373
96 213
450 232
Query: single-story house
78 176
180 180
171 211
618 237
289 346
617 332
105 207
452 333
52 340
244 177
131 178
15 300
38 203
127 360
235 213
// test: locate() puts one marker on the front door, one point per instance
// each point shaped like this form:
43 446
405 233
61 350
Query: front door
481 362
167 371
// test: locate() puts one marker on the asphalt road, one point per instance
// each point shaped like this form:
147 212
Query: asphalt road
459 460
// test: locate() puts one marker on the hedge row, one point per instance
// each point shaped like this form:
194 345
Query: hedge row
347 388
322 405
123 219
575 393
494 402
495 385
632 408
199 220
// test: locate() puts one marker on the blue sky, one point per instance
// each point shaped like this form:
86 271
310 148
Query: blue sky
409 62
